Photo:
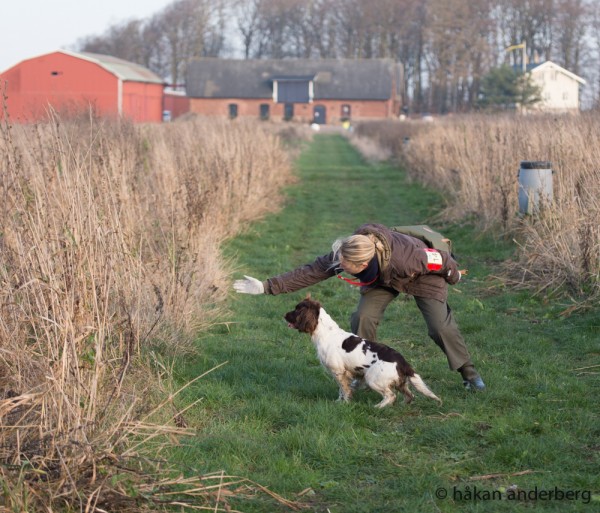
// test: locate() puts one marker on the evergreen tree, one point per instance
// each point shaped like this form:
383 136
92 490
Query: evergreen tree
506 88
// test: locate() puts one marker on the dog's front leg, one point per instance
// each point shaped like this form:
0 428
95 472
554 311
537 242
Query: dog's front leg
344 379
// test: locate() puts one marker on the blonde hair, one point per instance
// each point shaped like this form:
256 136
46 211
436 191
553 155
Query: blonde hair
356 249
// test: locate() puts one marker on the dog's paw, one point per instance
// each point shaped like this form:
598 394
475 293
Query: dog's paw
387 400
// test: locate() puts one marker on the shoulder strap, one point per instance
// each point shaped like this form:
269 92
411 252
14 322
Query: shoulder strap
430 237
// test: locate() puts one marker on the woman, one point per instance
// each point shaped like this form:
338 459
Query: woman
385 264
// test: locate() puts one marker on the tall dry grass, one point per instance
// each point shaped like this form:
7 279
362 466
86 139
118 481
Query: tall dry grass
109 264
475 160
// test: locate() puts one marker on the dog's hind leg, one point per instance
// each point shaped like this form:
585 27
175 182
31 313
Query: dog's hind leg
408 395
386 389
388 397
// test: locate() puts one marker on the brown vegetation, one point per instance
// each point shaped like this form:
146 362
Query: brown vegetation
475 160
109 264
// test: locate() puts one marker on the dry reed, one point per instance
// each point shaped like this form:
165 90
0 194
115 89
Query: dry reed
109 256
475 160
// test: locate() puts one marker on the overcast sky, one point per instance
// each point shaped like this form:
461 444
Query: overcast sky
29 28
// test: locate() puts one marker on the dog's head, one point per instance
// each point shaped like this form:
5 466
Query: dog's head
305 316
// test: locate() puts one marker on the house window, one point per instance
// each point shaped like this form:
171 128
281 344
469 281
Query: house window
264 111
288 111
346 112
233 110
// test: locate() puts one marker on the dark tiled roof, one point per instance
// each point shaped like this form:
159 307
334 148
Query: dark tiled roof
348 79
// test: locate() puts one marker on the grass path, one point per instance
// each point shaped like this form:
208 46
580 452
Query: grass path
270 413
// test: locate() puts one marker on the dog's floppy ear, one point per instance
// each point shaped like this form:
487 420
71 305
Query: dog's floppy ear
307 318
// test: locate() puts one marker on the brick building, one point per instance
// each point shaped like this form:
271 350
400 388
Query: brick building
320 91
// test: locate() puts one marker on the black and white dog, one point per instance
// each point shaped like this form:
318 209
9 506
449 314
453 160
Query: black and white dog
352 360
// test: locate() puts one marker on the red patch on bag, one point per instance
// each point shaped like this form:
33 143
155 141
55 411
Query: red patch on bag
434 259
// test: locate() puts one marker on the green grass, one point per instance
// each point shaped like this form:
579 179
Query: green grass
270 413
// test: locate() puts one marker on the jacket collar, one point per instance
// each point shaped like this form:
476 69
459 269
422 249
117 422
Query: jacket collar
381 233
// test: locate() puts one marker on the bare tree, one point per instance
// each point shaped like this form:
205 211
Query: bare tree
594 56
270 28
529 22
445 46
569 32
183 25
248 13
166 42
308 22
454 40
321 21
123 40
348 15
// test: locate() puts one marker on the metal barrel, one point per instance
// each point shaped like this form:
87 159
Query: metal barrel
535 185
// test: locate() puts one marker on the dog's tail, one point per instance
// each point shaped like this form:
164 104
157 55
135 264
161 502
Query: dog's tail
420 385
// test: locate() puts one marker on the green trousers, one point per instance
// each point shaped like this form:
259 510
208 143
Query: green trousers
441 326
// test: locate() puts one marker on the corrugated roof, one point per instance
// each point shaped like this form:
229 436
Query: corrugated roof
125 70
344 79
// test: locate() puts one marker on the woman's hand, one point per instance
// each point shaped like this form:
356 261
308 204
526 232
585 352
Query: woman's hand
249 285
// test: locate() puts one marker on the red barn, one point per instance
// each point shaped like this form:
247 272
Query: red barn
70 83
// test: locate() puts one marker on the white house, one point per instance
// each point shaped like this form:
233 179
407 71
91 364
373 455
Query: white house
559 88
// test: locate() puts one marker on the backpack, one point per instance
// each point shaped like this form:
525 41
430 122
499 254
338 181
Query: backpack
433 239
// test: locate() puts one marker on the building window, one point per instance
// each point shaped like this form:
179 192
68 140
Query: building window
264 111
346 112
293 89
288 111
233 110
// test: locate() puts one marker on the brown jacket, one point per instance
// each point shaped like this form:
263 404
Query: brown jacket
403 266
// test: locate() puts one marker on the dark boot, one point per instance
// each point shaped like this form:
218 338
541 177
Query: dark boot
471 378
